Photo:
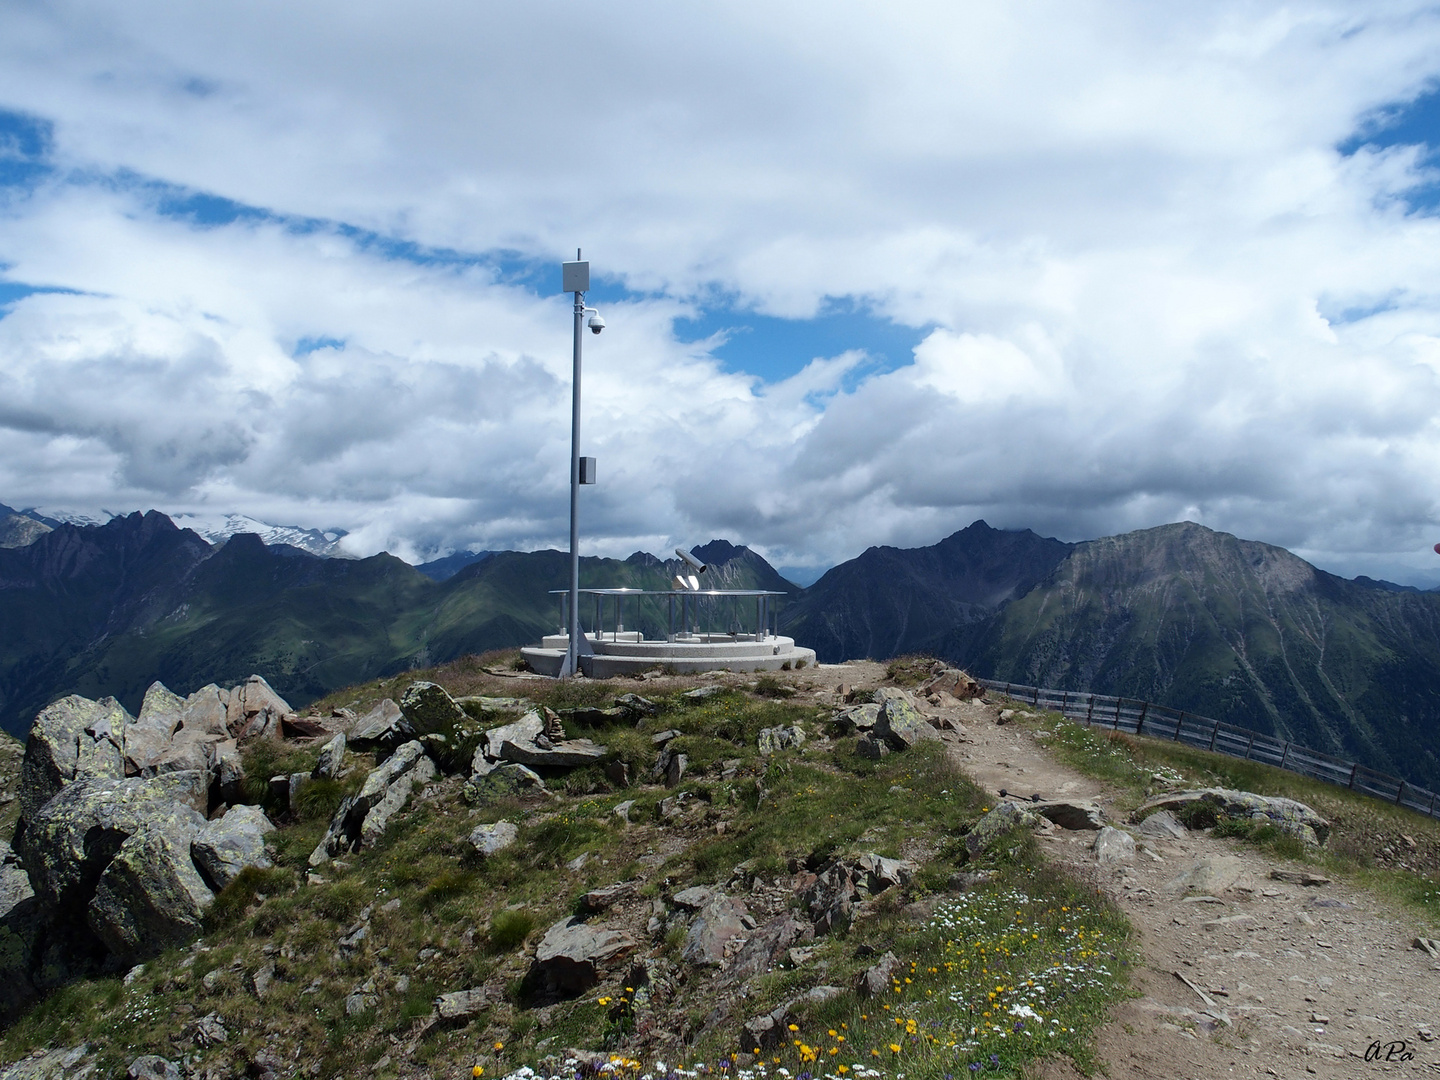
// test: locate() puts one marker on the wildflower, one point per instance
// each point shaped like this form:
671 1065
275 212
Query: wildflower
794 1027
499 1046
894 1048
477 1071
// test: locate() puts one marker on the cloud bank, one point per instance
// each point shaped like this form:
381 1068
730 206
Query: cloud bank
296 261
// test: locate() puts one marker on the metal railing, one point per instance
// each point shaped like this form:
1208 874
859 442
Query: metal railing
1162 722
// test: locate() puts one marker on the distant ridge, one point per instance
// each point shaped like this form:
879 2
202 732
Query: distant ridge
108 609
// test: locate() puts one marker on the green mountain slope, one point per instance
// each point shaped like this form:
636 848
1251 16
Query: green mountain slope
1237 630
890 601
109 609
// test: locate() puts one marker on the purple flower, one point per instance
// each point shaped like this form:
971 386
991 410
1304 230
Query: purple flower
974 1066
994 1059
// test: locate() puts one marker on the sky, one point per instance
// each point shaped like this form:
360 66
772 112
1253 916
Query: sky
869 272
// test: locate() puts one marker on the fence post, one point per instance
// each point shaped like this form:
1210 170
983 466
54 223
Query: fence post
1249 745
1116 725
1285 756
1064 701
1178 725
1037 696
1353 767
1090 712
1139 724
1432 804
1399 792
1213 735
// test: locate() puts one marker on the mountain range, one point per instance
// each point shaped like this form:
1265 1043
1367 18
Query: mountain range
1182 615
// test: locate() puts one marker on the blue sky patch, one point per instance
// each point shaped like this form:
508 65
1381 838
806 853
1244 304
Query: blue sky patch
775 348
1415 123
25 143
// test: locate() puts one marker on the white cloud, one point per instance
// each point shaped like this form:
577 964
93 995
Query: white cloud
1137 250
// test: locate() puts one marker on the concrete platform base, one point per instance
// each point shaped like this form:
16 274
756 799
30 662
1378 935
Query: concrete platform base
630 655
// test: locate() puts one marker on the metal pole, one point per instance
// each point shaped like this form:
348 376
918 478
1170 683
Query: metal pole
572 650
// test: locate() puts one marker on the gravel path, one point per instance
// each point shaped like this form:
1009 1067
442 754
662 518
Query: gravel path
1303 980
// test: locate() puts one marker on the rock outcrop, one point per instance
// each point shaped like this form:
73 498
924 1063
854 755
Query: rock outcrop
571 956
362 818
1288 816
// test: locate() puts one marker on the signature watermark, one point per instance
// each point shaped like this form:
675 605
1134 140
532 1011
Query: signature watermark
1394 1050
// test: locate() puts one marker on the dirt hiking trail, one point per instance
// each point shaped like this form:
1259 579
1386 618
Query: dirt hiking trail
1302 981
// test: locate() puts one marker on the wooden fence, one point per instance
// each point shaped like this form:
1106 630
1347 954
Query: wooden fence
1163 722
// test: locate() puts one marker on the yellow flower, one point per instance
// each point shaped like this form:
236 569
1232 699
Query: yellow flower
477 1071
894 1048
843 1069
794 1027
499 1046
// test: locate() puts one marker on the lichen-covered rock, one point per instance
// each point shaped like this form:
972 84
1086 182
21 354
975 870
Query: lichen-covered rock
429 709
72 739
1290 817
73 837
72 1064
230 843
773 740
503 781
997 823
150 896
857 718
14 882
901 726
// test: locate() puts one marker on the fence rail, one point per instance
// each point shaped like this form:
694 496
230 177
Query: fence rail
1162 722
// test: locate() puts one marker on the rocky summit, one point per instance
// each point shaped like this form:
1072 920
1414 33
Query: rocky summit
471 872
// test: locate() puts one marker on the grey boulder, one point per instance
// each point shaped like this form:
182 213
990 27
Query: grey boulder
1071 815
153 1067
332 759
1114 846
72 739
1163 825
429 709
150 896
384 725
900 725
571 956
490 839
231 842
1288 816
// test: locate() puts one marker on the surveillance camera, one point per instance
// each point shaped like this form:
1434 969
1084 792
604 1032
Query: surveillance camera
596 323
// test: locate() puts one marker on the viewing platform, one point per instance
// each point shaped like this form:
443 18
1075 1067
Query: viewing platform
686 648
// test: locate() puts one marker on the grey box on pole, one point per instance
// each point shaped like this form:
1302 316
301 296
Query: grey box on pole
587 470
575 277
